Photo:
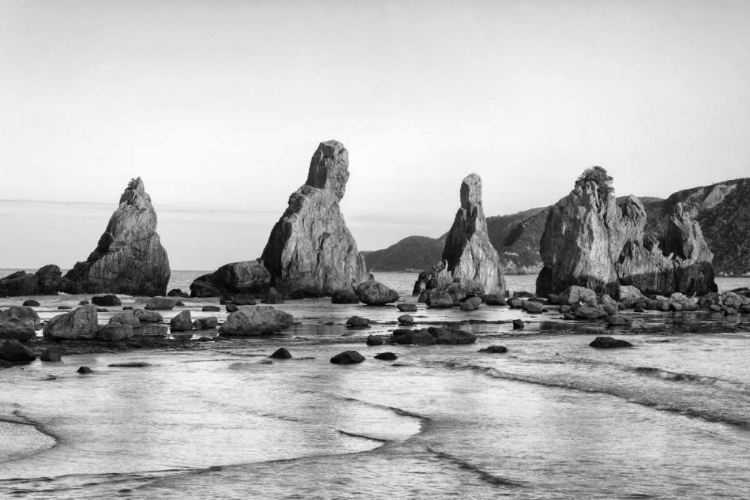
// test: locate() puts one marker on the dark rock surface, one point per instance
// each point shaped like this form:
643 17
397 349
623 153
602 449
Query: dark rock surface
210 309
609 342
494 349
31 303
438 299
12 328
272 296
407 307
181 323
358 321
347 358
387 356
248 277
84 370
256 320
126 318
51 355
405 319
208 323
46 281
114 332
177 292
310 247
451 336
375 340
15 352
145 316
374 293
160 304
416 337
106 300
129 257
281 353
344 296
518 324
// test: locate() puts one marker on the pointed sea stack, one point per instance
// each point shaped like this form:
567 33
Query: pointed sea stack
592 242
129 258
468 252
310 251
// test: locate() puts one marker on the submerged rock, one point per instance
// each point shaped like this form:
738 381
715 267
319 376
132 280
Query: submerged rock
417 337
387 356
84 370
129 257
347 358
248 277
494 349
281 353
358 321
256 320
310 247
609 342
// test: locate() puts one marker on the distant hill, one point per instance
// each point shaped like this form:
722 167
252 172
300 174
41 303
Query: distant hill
413 253
722 209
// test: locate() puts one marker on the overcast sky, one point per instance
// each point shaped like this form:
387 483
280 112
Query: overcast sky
219 106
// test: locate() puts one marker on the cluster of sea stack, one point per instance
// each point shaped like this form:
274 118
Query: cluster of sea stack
596 263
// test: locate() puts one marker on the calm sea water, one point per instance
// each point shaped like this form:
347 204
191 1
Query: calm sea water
552 418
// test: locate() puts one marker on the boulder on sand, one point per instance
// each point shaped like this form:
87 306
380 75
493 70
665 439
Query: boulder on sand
31 303
356 321
256 320
373 293
80 323
129 257
126 318
281 353
310 248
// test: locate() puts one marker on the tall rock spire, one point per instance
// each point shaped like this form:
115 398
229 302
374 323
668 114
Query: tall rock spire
468 252
310 250
129 257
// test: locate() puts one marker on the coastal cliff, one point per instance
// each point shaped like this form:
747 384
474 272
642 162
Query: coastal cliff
592 242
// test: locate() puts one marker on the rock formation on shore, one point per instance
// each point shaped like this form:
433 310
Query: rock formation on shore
592 242
46 281
129 257
247 277
310 250
468 255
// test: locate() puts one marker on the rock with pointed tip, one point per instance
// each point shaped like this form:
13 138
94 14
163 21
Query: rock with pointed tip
310 248
129 258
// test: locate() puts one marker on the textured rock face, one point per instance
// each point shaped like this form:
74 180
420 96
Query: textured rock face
247 277
80 323
310 248
468 251
129 258
46 281
590 241
373 293
256 320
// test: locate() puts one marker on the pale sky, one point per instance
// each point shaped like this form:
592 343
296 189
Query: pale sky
219 105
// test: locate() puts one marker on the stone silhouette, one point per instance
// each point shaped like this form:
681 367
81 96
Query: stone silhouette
592 242
310 251
129 257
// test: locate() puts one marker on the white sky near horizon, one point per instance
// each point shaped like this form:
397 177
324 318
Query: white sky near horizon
218 106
